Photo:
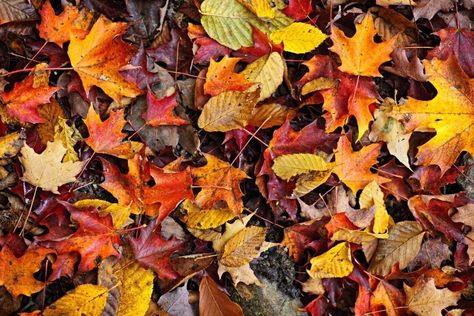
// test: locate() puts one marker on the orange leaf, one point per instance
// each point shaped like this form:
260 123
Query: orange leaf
56 28
106 137
99 57
220 182
16 274
23 100
221 77
132 189
353 167
213 301
160 111
359 54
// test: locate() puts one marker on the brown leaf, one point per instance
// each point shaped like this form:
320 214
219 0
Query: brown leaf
213 302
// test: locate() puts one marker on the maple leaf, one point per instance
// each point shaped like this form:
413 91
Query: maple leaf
161 111
344 95
424 298
450 114
219 182
99 65
360 55
46 170
153 252
16 274
94 240
213 301
106 137
221 77
24 99
208 48
132 189
57 28
298 9
86 299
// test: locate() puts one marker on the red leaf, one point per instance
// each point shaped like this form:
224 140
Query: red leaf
153 252
161 111
298 9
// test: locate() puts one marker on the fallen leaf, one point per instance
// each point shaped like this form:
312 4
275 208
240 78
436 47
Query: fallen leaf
228 110
86 299
220 77
205 218
424 298
335 263
16 274
213 301
106 137
360 55
388 298
402 245
46 170
450 114
298 38
99 65
268 72
161 111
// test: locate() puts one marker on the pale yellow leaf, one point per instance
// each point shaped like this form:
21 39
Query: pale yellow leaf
299 37
425 299
46 170
334 263
243 247
86 299
268 72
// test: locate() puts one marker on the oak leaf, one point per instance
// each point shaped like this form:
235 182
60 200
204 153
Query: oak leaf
57 28
450 114
99 65
424 298
161 111
228 110
402 246
46 170
221 77
86 299
298 37
360 55
213 301
334 263
23 100
105 137
16 274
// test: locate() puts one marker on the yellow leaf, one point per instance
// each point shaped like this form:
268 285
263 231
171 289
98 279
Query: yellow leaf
228 110
288 166
310 181
334 263
69 136
298 37
11 144
373 195
450 114
120 213
356 236
243 247
271 114
268 72
86 299
317 84
261 8
46 170
359 54
135 287
206 218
